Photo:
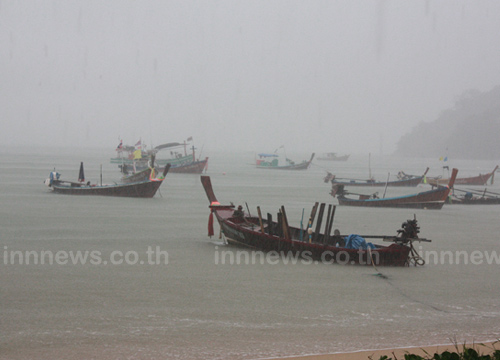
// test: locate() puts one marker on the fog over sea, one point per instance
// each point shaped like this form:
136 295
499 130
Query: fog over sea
179 303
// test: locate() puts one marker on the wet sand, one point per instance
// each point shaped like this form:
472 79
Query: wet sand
424 351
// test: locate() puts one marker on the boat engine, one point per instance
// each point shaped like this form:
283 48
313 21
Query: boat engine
406 236
409 230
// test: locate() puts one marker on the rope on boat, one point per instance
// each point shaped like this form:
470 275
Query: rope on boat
379 274
414 258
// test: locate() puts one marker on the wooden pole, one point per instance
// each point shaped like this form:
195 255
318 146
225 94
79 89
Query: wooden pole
248 209
313 212
327 225
318 223
311 219
260 219
302 226
369 166
280 225
386 183
286 229
327 234
269 224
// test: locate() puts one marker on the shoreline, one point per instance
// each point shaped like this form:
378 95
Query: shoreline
426 351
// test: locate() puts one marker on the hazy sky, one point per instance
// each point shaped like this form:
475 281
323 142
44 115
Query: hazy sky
313 75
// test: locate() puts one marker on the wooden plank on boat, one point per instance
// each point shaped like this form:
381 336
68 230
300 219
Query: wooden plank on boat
328 229
286 228
260 219
280 225
313 212
269 224
311 219
328 233
327 224
319 221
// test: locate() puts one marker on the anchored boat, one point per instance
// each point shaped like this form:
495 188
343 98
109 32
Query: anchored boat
142 189
309 242
432 199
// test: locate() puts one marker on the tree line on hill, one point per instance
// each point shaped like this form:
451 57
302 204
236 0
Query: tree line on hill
469 130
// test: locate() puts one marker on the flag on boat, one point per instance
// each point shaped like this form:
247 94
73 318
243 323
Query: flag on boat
81 175
137 154
189 138
138 145
120 146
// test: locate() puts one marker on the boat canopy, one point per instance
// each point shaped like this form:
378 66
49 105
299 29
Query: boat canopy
167 145
267 155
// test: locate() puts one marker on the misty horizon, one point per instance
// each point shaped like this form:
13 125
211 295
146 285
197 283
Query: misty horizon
322 76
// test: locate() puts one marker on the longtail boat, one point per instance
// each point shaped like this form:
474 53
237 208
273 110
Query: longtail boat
138 176
194 167
479 180
403 180
331 156
474 197
142 189
264 234
270 161
142 175
432 199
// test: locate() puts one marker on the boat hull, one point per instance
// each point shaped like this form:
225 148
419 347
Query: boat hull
402 183
195 167
192 167
139 176
433 200
302 166
475 201
145 189
479 180
266 235
393 255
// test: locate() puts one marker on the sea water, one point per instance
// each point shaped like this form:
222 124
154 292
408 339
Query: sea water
114 278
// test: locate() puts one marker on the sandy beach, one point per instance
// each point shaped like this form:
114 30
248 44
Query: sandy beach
398 353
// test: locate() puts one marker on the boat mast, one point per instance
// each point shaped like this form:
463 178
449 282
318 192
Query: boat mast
369 166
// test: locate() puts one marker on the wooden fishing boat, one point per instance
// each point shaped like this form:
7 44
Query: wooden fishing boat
403 180
479 180
270 161
432 199
194 167
333 157
142 189
134 176
180 162
138 176
473 197
309 243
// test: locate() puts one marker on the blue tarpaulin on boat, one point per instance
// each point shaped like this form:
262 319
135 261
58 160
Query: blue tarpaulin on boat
354 241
